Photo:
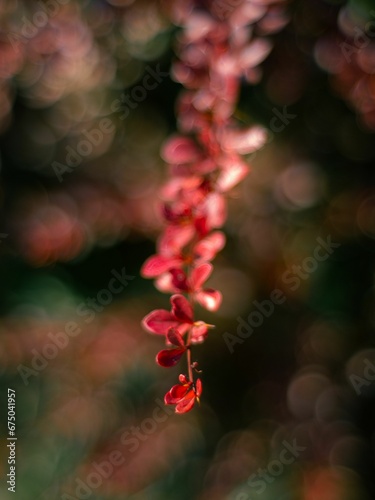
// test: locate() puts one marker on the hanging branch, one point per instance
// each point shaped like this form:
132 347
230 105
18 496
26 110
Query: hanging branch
217 48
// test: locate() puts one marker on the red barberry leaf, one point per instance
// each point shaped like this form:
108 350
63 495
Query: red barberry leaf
160 321
181 308
169 357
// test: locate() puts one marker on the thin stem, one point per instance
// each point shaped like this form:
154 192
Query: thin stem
188 340
188 352
188 356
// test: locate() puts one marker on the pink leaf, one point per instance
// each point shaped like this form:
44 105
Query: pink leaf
199 275
179 279
183 379
244 141
209 299
179 149
164 283
174 186
273 21
216 210
247 13
210 245
204 166
175 337
160 321
198 25
231 175
174 239
254 53
182 309
198 332
157 264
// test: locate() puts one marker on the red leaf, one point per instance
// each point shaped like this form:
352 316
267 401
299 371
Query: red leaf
186 404
174 239
169 357
200 223
184 396
181 308
216 210
198 332
245 141
175 337
254 53
209 299
176 394
247 13
210 245
180 149
183 379
199 275
179 279
234 172
160 321
198 387
157 264
164 283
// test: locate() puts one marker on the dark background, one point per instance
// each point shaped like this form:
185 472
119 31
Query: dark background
293 378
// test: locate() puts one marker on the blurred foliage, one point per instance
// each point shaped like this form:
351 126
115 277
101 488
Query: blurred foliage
293 378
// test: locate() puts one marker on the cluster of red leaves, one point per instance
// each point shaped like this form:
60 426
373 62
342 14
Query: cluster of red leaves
205 162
